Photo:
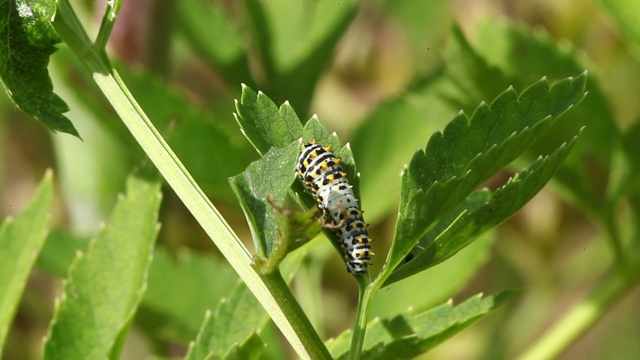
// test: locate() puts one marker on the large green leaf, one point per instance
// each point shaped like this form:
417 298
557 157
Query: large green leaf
409 335
106 283
468 152
27 41
20 242
524 55
481 211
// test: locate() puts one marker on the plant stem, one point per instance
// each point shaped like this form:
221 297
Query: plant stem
357 339
584 315
112 7
296 316
71 32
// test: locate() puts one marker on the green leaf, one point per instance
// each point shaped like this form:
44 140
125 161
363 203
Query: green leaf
517 50
627 19
106 283
264 124
236 321
467 153
20 242
28 40
271 175
481 211
182 287
409 335
296 41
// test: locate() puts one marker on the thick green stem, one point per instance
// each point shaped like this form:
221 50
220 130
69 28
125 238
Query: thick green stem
584 315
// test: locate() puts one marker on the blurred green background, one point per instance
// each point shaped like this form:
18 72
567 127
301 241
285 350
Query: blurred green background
382 74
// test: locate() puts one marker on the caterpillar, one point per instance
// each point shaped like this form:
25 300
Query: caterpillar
325 178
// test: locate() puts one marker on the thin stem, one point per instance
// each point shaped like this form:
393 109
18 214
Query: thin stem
360 328
584 315
111 11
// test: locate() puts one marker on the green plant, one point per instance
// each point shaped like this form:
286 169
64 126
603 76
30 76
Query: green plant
443 206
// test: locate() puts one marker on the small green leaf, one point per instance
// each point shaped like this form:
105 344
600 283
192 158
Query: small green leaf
409 335
236 321
268 128
106 283
264 124
481 211
20 242
271 175
28 39
467 153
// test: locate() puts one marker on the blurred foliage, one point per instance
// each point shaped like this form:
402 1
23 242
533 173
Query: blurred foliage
385 75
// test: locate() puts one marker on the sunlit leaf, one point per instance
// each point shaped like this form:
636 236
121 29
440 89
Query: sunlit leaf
106 283
28 40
